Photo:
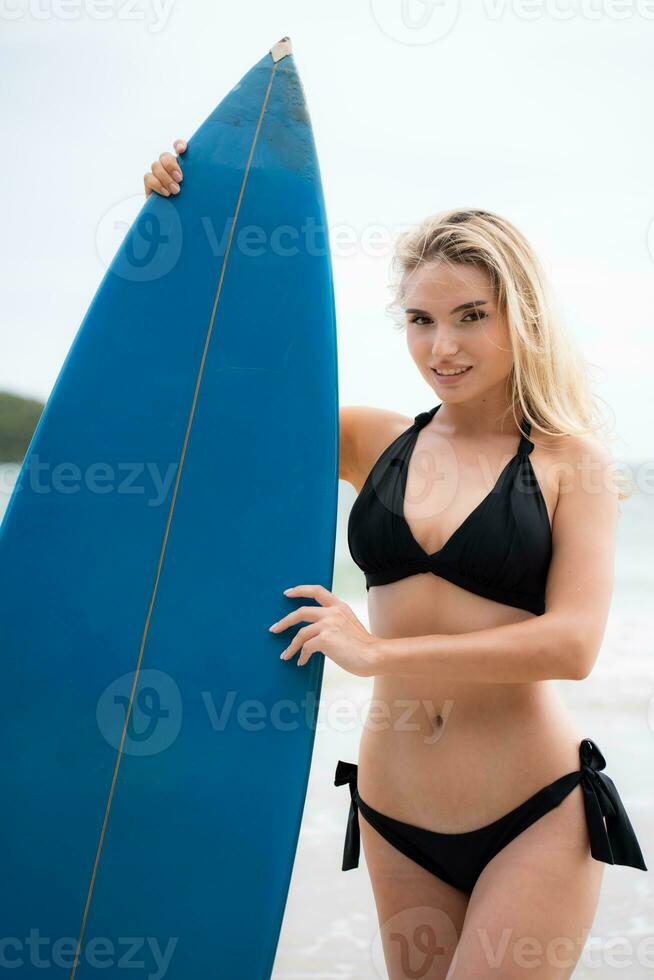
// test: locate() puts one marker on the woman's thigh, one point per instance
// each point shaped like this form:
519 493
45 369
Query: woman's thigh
420 916
533 905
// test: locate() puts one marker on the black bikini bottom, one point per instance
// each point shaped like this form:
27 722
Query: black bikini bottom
459 859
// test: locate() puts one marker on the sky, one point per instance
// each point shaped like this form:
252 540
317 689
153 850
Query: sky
540 111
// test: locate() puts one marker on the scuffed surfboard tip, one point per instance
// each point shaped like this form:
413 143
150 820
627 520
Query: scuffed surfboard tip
282 49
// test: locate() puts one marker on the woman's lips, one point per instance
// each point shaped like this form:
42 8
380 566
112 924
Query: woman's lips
450 378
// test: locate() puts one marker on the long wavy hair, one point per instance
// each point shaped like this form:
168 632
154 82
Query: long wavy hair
549 382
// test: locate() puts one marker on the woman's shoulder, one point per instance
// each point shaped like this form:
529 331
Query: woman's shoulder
564 461
574 462
572 449
365 432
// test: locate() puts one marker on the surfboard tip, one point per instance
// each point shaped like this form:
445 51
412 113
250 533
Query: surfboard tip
282 49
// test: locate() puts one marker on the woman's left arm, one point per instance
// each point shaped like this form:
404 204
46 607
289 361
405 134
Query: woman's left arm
563 642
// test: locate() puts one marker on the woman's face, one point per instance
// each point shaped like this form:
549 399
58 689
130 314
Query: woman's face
452 321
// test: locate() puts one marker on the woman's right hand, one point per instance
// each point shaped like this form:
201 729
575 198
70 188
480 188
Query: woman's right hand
165 175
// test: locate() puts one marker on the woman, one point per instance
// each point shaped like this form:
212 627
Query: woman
486 531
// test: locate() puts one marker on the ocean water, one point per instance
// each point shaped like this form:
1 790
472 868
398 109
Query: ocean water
330 929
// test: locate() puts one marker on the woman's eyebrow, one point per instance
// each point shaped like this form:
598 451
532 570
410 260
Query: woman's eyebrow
463 306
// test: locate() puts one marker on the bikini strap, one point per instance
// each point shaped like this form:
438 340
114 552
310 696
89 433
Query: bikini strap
526 445
421 420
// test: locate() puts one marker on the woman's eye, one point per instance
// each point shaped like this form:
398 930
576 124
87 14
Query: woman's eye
475 314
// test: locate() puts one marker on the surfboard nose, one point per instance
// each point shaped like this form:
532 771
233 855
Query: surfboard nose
281 49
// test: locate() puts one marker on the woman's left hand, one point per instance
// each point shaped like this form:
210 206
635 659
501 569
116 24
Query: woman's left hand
334 630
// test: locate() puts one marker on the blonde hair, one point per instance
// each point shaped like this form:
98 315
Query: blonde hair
549 381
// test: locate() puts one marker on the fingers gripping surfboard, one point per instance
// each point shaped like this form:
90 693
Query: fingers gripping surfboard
183 473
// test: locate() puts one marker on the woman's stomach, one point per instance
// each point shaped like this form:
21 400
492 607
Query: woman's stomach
455 756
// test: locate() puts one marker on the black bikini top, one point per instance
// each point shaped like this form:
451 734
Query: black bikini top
502 550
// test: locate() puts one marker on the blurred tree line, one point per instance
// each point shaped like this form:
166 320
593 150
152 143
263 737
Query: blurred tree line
18 419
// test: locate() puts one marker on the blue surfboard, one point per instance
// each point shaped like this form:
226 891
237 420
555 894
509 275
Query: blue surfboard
155 749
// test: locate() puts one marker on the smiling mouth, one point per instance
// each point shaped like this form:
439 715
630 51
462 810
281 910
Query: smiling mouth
455 374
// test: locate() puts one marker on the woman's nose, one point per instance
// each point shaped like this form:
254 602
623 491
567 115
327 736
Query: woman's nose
444 346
